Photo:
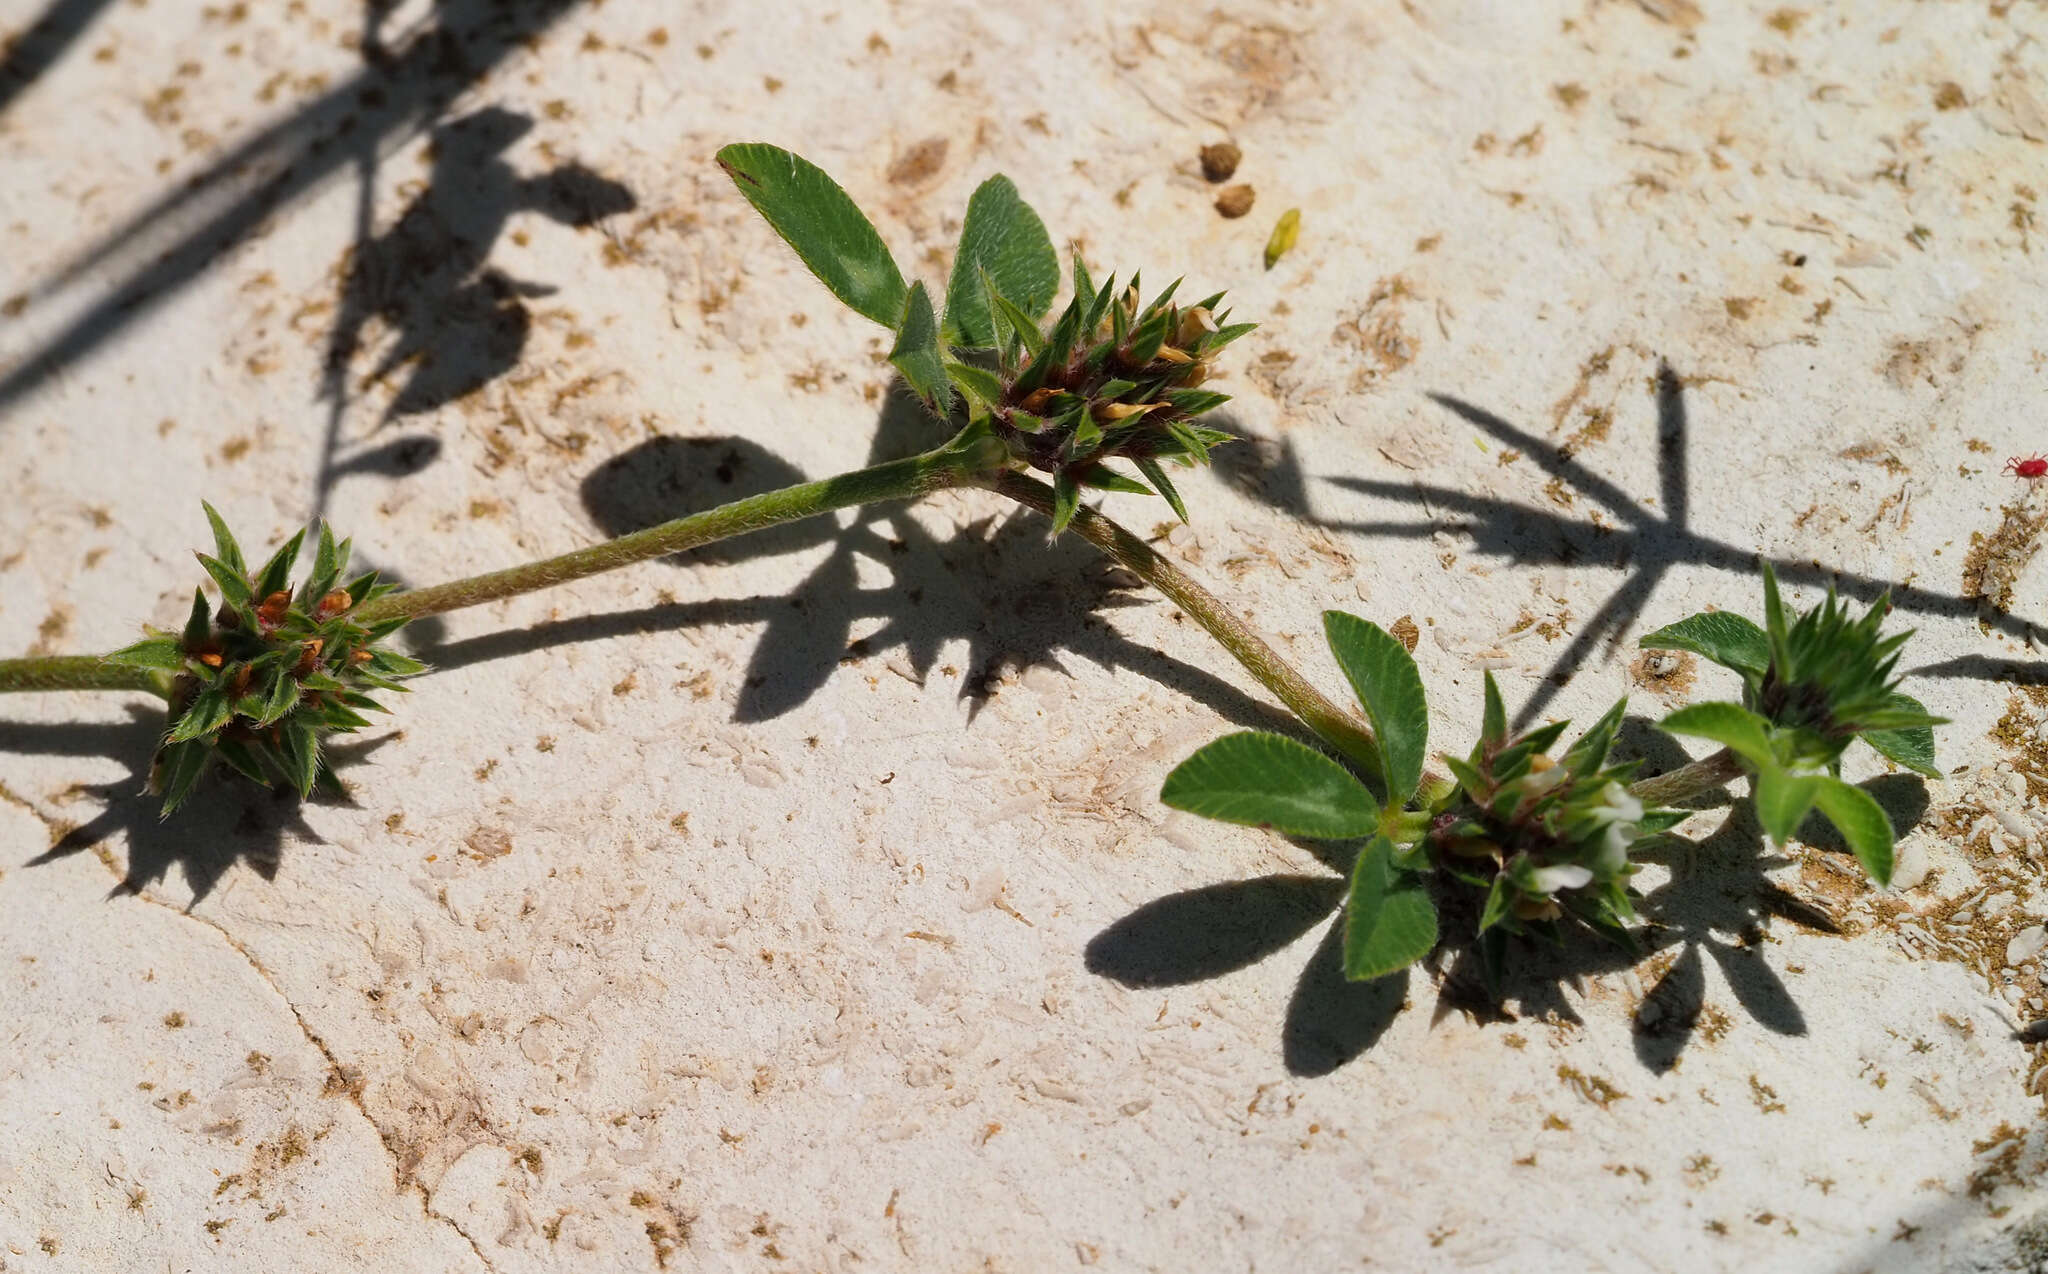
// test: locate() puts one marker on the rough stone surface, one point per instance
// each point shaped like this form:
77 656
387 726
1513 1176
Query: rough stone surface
810 898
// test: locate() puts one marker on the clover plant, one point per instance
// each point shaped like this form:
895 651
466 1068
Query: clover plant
1535 842
1538 841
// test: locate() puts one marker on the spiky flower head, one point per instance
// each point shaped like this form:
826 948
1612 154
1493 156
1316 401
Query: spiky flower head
1543 837
1830 677
261 679
1109 379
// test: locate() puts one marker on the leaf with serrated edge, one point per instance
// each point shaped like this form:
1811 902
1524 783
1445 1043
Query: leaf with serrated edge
1389 922
1862 823
820 220
1728 639
1265 780
1383 675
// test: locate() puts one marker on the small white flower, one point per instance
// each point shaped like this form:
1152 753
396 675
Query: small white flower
1549 880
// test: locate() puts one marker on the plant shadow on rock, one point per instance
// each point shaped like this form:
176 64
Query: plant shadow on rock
400 90
1017 599
1716 902
457 322
1645 541
204 840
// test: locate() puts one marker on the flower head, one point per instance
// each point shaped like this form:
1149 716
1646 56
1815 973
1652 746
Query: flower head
260 680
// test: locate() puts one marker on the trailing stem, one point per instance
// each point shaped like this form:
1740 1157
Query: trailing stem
972 465
78 672
1338 727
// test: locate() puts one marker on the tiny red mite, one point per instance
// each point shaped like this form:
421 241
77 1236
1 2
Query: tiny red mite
2033 468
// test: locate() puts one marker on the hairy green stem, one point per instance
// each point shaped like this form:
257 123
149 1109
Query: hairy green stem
897 480
78 672
1692 779
1339 728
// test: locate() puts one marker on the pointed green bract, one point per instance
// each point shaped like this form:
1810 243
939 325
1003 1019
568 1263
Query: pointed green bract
1494 719
917 353
224 546
1727 639
1003 239
150 652
1862 823
1265 780
1155 473
820 220
276 572
1389 920
1066 499
1383 675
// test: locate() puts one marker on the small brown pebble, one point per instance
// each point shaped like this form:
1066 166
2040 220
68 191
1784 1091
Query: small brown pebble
1219 161
1235 201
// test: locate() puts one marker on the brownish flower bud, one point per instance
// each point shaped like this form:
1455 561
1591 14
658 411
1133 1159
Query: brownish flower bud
211 658
271 612
335 603
309 657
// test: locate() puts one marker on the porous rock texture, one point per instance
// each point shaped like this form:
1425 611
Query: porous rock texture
807 903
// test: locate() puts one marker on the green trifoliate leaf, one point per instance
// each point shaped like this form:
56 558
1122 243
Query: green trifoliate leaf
1389 923
1862 823
1910 746
1782 800
1729 724
1727 639
151 652
1004 239
1264 780
1384 676
820 220
917 353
